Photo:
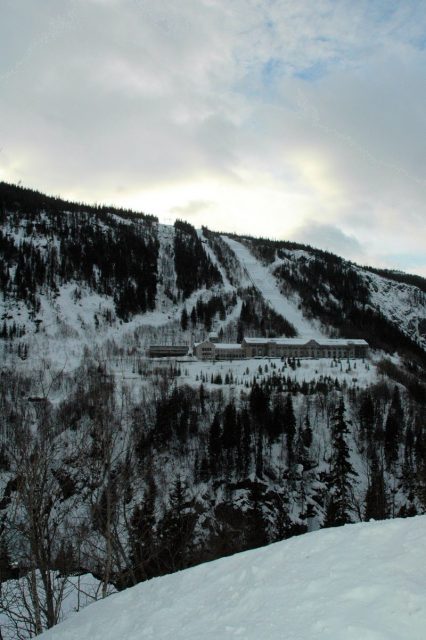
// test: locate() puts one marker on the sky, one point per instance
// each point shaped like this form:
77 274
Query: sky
288 119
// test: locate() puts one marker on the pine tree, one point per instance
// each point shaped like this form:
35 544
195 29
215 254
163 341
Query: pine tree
256 534
290 426
175 531
184 319
376 505
142 540
341 475
367 417
215 444
394 428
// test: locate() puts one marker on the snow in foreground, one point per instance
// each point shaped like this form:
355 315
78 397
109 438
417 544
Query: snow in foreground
365 581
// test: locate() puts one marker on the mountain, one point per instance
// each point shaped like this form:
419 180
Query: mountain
71 269
359 581
130 467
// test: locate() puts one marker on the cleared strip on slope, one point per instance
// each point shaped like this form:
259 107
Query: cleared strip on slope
264 281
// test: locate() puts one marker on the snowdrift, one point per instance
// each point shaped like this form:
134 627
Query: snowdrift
365 581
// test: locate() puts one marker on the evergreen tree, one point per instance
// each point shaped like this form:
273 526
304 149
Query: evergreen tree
229 439
393 428
215 444
175 531
142 540
6 568
276 424
367 417
290 426
376 506
245 441
184 319
256 534
341 475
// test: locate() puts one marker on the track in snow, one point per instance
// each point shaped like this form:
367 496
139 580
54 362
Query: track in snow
264 281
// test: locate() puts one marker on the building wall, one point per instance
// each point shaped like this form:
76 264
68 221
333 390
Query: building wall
310 350
229 354
205 350
167 351
208 350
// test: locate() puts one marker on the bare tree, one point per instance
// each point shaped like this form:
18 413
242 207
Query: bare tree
36 520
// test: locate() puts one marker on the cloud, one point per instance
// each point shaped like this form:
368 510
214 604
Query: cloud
191 208
328 237
277 112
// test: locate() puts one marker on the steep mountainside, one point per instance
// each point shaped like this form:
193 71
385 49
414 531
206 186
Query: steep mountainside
71 270
131 467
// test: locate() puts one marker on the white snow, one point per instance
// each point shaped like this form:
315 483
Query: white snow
403 304
359 373
358 582
262 278
78 592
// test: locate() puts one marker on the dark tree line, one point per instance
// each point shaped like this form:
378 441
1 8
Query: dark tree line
115 255
258 317
194 268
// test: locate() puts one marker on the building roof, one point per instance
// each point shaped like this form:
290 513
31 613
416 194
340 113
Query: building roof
341 341
224 345
300 342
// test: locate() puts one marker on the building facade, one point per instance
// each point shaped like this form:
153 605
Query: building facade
266 348
209 350
167 350
282 348
305 348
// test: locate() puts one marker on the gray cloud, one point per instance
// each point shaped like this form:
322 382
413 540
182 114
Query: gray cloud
275 112
192 208
328 237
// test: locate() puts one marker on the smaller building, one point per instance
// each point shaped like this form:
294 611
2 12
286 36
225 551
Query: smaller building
205 350
232 351
209 350
167 350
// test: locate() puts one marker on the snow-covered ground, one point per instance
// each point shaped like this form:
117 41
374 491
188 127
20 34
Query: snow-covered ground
262 278
355 372
403 304
358 582
78 592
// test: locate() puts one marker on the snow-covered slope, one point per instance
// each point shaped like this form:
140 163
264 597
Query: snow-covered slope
403 304
262 278
359 582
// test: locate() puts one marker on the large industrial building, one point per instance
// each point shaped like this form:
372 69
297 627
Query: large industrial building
282 348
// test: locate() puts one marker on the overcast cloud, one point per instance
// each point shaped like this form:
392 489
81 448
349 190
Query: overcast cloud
288 119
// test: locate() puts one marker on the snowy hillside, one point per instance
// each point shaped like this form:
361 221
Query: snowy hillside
137 467
75 277
263 280
403 304
357 582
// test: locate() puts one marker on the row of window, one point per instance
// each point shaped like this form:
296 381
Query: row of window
312 353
